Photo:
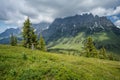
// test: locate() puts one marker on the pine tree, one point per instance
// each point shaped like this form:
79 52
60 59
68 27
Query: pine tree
102 53
34 39
13 40
29 37
41 45
26 33
90 49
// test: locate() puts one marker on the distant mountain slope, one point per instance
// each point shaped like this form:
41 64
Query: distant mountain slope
40 27
5 36
67 29
10 31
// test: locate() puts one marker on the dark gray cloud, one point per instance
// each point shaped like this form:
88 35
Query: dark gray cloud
15 11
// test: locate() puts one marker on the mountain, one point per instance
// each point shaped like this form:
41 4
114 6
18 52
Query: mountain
5 36
40 27
9 31
71 32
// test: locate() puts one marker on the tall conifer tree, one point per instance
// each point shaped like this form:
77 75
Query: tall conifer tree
90 49
102 52
29 37
41 45
13 40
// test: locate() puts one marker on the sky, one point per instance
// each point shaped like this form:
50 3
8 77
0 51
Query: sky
14 12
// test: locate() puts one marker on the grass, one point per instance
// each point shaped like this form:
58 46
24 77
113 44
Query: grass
18 63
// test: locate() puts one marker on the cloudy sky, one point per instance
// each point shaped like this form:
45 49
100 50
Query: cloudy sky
14 12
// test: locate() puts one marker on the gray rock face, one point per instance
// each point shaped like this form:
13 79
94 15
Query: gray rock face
40 27
71 26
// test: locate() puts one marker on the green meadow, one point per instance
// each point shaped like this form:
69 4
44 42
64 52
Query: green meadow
18 63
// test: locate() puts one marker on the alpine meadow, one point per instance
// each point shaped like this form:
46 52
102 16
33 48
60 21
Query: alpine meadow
60 40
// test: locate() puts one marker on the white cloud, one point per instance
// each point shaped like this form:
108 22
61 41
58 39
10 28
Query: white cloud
117 23
117 10
106 12
15 11
115 17
98 11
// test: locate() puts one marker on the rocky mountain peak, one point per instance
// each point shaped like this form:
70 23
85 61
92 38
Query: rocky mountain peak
71 26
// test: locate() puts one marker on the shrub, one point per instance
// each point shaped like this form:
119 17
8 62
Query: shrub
24 56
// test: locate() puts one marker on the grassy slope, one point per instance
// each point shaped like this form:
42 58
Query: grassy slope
46 66
69 43
109 40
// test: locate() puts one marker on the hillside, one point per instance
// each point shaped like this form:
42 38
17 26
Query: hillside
18 63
